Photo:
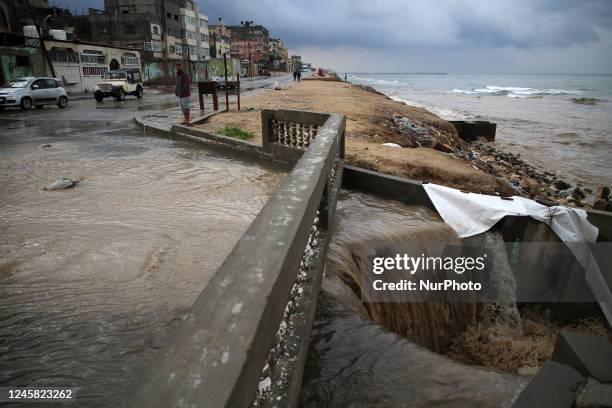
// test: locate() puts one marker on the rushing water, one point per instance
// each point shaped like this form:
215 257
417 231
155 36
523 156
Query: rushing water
93 278
537 115
354 359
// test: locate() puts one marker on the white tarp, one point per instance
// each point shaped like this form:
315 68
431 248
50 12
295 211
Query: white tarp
470 214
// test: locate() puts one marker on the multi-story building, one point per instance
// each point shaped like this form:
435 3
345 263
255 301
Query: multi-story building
220 40
250 44
296 62
5 25
279 55
166 30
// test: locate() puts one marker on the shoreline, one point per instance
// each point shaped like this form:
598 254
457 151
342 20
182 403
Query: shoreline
393 137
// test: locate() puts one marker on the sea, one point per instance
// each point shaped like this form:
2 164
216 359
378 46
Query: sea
558 123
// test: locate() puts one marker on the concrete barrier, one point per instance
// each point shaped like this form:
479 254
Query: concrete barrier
257 310
474 130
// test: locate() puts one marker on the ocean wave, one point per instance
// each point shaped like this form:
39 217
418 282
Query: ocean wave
372 80
444 113
514 91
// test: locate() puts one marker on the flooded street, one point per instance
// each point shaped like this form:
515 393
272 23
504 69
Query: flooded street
93 278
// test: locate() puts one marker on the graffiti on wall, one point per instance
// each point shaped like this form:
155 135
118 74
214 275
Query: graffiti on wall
11 68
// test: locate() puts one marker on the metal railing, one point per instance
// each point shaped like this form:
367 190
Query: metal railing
257 310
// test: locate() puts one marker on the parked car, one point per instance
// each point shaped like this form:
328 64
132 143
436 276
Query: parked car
25 92
120 83
231 85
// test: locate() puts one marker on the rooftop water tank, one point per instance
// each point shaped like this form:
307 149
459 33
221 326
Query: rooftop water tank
58 35
30 33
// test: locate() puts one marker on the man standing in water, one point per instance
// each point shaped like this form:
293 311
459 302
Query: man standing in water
183 92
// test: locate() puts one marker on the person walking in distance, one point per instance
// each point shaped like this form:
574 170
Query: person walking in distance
295 71
183 92
299 75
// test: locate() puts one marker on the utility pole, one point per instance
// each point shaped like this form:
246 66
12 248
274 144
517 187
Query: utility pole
226 85
41 40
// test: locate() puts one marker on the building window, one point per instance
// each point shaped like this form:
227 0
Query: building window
67 57
204 37
169 16
130 29
153 46
175 17
129 58
103 28
172 49
94 71
179 49
155 30
93 57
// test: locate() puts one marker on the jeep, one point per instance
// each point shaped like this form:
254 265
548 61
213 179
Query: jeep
118 84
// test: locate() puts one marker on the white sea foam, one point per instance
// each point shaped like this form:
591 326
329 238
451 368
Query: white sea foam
514 91
444 113
373 81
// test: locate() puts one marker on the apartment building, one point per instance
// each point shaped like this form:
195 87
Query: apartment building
250 43
220 39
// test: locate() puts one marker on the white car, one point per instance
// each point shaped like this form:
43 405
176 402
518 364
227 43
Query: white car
26 92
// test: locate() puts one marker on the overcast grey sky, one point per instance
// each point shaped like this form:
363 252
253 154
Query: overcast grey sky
501 36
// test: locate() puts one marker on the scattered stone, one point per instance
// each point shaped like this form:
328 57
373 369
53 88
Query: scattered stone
600 204
561 185
443 147
60 184
595 395
603 192
45 145
590 355
391 145
577 193
554 386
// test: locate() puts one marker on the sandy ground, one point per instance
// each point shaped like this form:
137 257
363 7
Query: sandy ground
369 124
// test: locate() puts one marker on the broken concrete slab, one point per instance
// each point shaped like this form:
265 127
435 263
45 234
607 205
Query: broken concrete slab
595 395
590 355
554 386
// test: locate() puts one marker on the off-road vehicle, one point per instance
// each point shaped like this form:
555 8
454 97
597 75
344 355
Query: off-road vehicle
120 83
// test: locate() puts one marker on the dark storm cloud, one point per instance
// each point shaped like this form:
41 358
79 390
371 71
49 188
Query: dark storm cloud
391 23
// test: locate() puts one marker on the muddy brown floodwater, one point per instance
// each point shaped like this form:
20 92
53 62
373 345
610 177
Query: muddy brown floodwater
92 279
354 359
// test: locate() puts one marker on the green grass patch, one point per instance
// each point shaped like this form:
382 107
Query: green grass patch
236 133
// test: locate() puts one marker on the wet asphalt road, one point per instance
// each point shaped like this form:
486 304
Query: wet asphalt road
87 113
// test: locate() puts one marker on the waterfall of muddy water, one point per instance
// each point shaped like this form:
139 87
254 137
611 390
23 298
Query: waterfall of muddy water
93 279
354 360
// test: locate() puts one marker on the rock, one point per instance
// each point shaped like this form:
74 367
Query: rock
545 201
554 386
595 395
577 193
564 193
590 355
391 145
561 185
61 184
603 192
442 147
515 177
600 204
45 145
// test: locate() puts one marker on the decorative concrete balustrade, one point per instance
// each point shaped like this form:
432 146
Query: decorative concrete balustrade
250 326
